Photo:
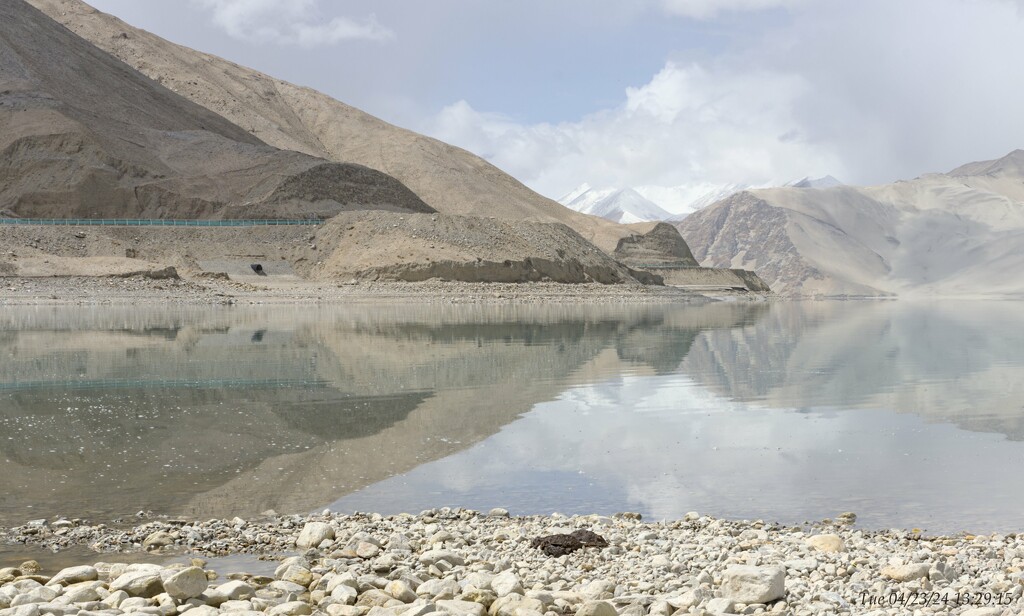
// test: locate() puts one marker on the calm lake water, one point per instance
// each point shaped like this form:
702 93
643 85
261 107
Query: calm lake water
910 414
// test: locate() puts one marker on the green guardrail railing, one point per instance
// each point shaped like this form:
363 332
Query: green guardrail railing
164 384
158 222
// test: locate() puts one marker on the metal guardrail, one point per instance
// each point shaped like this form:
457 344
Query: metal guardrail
158 222
163 384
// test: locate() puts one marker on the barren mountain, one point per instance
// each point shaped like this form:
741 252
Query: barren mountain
958 233
447 178
84 135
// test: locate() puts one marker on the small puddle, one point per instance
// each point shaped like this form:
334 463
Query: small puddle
52 562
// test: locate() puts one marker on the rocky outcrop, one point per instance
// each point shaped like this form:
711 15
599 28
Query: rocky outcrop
662 253
661 246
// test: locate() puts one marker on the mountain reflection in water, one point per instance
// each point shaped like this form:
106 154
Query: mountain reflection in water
907 413
223 412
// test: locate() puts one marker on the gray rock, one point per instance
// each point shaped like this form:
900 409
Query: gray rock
287 587
478 579
298 575
441 589
134 603
375 597
420 610
506 583
39 594
203 610
58 609
365 549
721 605
187 583
401 591
485 598
432 557
461 608
344 579
596 608
497 512
546 598
139 583
343 610
829 543
81 593
803 564
291 608
749 584
31 609
313 534
236 590
114 599
158 539
598 589
74 575
661 608
344 594
235 605
905 573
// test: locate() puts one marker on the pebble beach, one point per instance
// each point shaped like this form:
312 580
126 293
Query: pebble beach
468 563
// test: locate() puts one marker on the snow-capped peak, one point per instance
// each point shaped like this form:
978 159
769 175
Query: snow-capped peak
575 194
623 205
808 182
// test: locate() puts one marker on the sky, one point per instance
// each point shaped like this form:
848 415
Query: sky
648 92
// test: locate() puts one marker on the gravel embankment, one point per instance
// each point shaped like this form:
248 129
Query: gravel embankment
464 563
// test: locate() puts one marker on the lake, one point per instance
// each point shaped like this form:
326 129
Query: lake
910 414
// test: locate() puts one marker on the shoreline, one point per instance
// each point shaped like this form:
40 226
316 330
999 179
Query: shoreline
469 563
207 290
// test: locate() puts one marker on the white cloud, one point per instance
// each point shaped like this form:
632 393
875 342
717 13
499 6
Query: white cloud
289 22
688 124
708 9
868 91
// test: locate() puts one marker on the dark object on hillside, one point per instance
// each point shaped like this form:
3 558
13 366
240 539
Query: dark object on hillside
560 545
258 268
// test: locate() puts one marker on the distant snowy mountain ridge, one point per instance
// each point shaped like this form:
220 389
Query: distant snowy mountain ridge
649 203
622 205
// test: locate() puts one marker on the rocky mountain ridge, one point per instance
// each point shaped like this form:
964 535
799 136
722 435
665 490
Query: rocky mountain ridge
945 234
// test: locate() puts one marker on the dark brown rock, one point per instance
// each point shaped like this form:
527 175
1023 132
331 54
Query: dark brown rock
590 539
560 545
557 545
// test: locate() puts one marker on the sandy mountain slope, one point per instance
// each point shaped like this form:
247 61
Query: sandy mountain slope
449 179
958 233
84 135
